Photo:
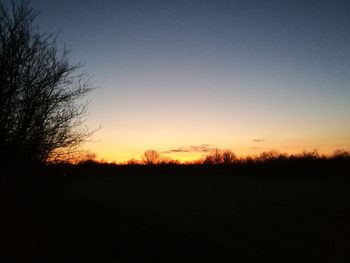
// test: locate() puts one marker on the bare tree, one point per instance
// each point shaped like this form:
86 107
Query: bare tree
213 158
219 157
41 106
228 157
151 157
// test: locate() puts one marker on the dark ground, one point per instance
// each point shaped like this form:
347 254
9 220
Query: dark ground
173 218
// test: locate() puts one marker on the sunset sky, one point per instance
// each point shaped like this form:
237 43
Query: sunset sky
184 77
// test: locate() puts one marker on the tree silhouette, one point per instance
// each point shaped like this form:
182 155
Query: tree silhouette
151 157
41 107
219 157
228 157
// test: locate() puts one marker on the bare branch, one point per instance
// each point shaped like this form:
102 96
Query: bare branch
41 106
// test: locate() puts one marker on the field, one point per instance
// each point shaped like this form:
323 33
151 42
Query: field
135 218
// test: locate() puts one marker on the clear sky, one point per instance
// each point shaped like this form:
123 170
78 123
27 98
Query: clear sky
182 77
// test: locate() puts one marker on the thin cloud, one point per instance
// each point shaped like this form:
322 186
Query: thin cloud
191 149
258 140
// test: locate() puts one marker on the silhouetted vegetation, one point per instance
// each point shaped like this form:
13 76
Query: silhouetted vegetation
151 157
41 111
218 157
273 208
268 208
219 162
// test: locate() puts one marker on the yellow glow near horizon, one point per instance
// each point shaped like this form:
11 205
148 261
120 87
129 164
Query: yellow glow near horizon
171 76
189 111
120 152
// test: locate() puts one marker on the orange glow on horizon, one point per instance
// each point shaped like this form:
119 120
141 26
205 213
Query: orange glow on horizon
185 157
126 138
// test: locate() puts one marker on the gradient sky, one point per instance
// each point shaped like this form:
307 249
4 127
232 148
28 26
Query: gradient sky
183 77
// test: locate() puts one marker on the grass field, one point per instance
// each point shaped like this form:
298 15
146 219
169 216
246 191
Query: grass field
184 218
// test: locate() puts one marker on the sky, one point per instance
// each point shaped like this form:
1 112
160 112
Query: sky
184 77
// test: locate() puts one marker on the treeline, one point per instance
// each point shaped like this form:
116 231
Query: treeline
225 162
227 157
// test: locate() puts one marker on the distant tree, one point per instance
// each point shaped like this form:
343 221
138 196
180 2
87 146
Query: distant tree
41 111
270 156
219 157
213 158
208 159
341 154
228 157
309 155
151 157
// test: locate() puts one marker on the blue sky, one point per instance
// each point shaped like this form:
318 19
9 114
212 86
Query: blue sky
177 74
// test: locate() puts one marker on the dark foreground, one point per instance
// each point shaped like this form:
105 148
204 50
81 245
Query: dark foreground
177 219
